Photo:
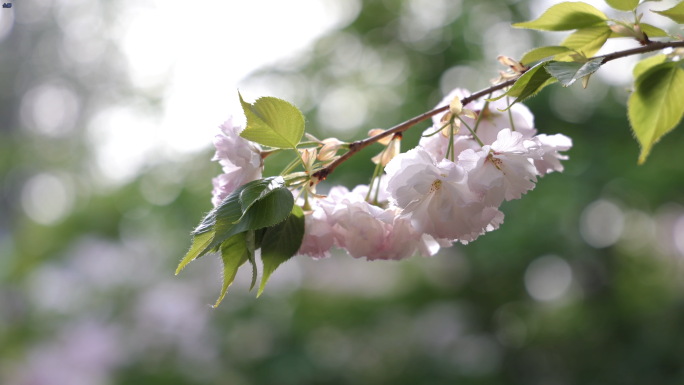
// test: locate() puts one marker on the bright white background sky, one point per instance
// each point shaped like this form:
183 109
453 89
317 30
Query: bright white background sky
199 51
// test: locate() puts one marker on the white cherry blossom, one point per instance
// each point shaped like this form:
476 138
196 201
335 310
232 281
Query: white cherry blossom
241 161
318 234
551 145
436 197
503 170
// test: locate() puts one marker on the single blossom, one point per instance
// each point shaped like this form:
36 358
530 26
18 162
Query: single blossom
318 234
551 145
240 159
503 170
365 230
436 197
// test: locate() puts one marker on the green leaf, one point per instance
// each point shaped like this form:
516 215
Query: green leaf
542 53
228 218
587 40
273 122
250 243
675 13
623 5
648 29
256 191
200 243
280 243
656 105
268 211
233 255
568 72
528 84
565 17
647 64
653 31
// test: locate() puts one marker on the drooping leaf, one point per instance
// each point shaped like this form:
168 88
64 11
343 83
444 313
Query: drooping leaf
251 250
228 219
542 53
647 64
268 211
565 17
273 122
623 5
200 243
281 242
568 72
586 40
256 191
528 84
233 255
675 13
656 105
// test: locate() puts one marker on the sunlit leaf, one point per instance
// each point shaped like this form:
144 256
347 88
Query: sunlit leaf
657 104
542 53
647 64
280 243
623 5
586 40
200 244
568 72
565 17
233 255
528 84
273 122
675 13
648 29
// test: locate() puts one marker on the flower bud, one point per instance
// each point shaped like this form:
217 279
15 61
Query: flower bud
513 64
393 149
456 106
330 148
377 131
309 157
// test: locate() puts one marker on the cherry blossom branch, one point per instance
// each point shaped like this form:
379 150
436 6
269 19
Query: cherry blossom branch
358 145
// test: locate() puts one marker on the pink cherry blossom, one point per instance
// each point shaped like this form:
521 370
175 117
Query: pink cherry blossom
318 235
241 161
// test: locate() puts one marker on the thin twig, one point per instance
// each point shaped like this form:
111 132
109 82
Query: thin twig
359 145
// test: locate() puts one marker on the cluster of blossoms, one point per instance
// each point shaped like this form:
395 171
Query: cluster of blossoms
448 189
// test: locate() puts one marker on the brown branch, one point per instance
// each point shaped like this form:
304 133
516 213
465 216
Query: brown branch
357 146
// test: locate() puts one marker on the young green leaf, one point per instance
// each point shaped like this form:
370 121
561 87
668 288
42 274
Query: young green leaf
273 122
586 40
656 105
568 72
268 211
528 84
259 190
565 17
233 255
228 219
623 5
280 243
675 13
251 251
647 64
200 243
542 53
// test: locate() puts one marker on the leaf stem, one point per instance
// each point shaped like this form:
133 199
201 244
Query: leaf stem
482 112
375 174
510 114
471 131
